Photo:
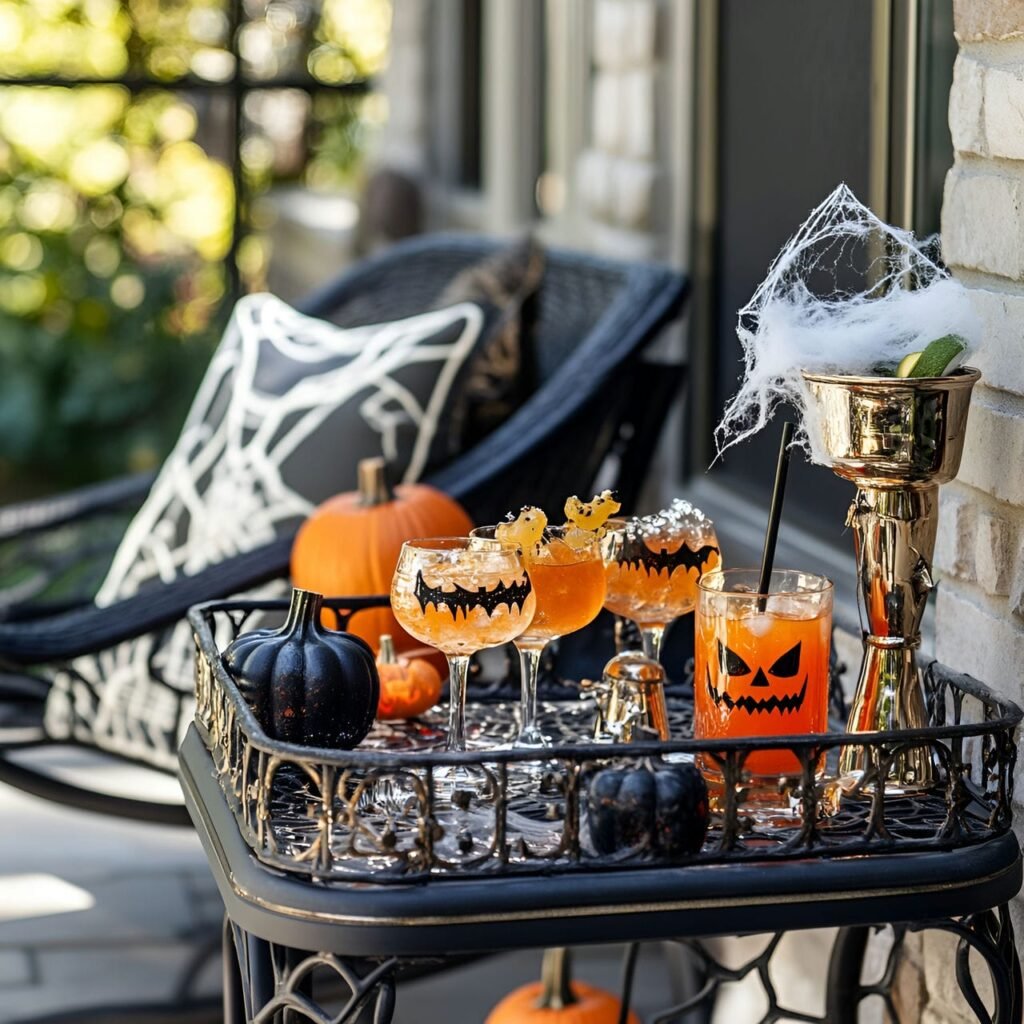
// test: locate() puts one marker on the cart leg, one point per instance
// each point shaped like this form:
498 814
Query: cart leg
249 975
990 934
265 983
234 1001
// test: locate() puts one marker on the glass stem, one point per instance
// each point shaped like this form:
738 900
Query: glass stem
529 667
651 637
458 670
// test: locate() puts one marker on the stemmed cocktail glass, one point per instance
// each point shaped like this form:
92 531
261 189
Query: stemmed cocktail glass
568 579
652 566
461 596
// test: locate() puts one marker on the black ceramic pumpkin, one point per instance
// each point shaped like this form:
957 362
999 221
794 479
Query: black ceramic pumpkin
658 807
306 683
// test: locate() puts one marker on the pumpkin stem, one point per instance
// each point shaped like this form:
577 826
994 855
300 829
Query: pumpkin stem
556 979
387 654
304 609
373 482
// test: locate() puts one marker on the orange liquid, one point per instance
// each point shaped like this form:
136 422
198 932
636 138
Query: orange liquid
461 633
653 598
569 587
730 703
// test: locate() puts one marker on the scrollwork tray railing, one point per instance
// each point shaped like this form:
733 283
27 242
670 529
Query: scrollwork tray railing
374 814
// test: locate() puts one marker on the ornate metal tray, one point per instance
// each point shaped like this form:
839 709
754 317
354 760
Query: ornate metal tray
374 814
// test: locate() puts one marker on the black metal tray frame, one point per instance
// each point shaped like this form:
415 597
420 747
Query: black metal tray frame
320 813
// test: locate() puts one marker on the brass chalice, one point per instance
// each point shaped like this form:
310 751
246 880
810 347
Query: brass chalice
897 439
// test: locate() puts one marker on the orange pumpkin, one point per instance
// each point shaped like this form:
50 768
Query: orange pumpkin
350 544
408 686
557 999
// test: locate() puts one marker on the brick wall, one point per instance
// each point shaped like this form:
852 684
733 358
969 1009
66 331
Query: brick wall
980 551
618 172
980 609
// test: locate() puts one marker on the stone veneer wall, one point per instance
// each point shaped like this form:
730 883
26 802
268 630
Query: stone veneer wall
619 171
980 551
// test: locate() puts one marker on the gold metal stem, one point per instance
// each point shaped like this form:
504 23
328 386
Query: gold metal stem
894 539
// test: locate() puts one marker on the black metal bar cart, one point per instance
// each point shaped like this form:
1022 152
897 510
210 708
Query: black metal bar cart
318 879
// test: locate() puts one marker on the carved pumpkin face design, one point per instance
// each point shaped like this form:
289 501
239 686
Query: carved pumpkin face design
762 671
757 691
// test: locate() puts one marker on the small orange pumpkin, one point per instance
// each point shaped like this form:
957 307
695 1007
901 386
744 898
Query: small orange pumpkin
350 544
557 999
408 686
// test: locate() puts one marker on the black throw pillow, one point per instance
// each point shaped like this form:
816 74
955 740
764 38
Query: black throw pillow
501 371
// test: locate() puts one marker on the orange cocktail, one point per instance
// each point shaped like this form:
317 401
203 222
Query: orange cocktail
761 667
569 585
568 580
653 564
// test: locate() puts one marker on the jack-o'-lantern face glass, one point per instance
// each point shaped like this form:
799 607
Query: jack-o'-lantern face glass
460 597
762 664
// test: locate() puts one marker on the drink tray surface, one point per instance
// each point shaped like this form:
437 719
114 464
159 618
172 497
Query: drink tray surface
389 811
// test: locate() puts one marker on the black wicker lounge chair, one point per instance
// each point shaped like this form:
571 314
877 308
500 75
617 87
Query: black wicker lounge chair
598 397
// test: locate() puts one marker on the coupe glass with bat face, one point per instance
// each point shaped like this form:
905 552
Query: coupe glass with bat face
652 566
461 596
568 581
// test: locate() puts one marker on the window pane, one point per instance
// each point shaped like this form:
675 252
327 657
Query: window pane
304 160
163 39
114 227
352 40
174 38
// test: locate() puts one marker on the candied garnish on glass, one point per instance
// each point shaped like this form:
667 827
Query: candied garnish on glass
568 577
526 531
591 515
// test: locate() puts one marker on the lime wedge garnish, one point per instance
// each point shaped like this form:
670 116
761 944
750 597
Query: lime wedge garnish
940 357
907 364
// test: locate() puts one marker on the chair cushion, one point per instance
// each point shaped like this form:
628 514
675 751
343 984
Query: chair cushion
502 371
288 406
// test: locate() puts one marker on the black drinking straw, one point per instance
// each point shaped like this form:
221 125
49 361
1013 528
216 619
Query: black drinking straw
774 516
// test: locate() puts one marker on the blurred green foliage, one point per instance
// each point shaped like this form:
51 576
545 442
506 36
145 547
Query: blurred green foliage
115 223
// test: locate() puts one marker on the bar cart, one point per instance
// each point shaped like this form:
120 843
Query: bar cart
354 865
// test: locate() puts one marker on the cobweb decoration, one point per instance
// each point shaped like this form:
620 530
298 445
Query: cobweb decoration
848 294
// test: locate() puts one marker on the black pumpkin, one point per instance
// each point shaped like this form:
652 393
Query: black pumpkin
649 806
305 683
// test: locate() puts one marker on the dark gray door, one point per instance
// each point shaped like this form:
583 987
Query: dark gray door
794 120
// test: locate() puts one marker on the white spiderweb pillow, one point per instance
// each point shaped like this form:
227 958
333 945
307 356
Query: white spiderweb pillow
287 407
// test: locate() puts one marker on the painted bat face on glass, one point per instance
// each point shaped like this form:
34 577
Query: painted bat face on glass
462 600
635 554
755 690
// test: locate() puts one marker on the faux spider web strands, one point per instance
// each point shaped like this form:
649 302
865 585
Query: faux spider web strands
804 315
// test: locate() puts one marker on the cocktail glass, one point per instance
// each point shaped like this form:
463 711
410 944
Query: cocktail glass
461 595
569 587
761 668
652 566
